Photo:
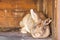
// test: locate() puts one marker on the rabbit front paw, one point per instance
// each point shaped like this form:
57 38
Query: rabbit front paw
23 30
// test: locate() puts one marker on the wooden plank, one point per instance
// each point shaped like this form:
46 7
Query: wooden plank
25 4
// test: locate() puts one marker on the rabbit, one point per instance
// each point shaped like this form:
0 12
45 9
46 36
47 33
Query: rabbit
34 25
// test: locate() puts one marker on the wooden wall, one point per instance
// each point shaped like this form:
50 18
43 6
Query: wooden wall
48 7
26 4
9 17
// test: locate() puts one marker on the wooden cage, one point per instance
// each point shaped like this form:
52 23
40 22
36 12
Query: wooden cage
12 11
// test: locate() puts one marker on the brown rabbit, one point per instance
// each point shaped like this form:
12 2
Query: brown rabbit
33 24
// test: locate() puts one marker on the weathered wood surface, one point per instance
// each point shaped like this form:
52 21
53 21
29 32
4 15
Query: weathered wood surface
10 19
19 36
25 4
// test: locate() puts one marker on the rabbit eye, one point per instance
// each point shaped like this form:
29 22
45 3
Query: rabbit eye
46 21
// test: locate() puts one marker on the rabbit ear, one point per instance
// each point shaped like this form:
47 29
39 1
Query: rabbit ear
34 15
47 21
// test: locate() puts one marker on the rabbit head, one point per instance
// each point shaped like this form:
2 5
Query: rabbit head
40 26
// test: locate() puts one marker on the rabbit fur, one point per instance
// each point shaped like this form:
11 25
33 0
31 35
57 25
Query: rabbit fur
38 28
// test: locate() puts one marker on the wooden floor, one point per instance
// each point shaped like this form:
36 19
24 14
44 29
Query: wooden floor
18 36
